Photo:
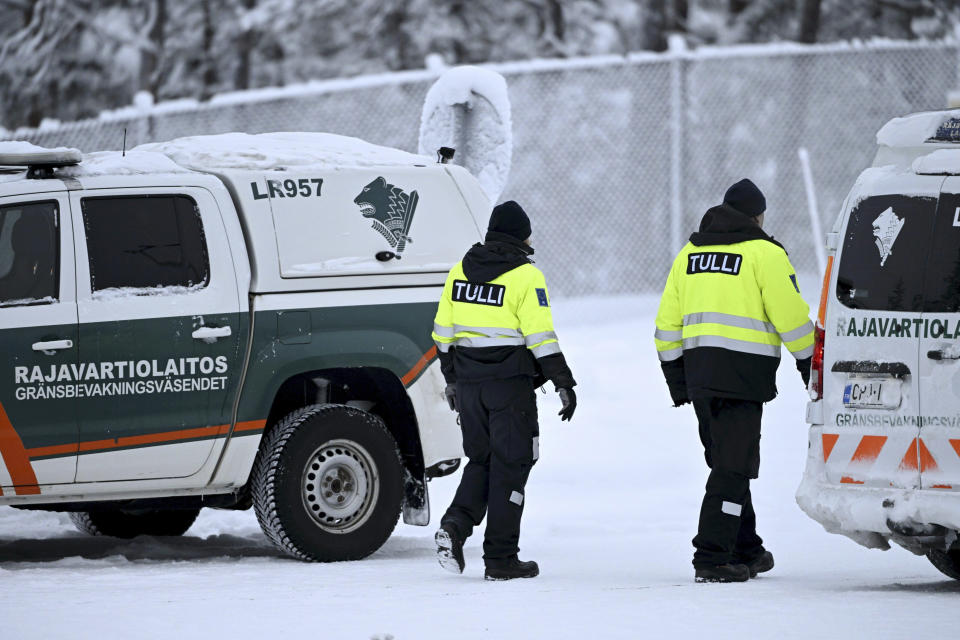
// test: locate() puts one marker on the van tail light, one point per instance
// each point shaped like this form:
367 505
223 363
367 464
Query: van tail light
816 364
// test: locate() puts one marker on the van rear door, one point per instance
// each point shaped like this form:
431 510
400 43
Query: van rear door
937 450
871 348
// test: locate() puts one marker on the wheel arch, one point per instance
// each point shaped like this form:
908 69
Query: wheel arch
370 388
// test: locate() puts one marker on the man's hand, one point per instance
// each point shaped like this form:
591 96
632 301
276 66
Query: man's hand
803 366
678 395
451 395
569 400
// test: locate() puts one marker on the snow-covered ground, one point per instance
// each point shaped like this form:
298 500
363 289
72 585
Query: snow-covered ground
612 507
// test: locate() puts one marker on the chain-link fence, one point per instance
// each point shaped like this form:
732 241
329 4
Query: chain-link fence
617 159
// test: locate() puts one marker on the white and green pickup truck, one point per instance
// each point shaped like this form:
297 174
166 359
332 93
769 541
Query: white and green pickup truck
229 321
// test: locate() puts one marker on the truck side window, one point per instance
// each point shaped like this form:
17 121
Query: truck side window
145 242
942 289
884 252
29 253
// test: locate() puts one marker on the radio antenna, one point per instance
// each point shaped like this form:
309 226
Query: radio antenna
124 142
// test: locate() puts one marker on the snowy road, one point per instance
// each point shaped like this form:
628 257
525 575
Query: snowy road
612 508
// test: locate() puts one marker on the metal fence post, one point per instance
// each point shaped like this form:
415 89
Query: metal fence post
677 53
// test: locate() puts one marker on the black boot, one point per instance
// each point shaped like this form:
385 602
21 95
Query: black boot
449 549
723 573
760 564
511 568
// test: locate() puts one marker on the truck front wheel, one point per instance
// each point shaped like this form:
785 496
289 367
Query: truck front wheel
327 484
130 524
948 562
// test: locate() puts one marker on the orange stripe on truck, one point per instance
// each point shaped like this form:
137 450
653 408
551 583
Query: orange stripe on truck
866 454
16 458
829 441
918 457
94 446
420 366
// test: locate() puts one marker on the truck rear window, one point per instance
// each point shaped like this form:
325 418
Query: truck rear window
29 253
145 242
884 252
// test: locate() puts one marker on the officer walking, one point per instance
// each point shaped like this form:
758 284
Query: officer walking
730 300
494 332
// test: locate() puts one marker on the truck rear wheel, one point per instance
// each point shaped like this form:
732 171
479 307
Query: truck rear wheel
130 524
327 484
948 562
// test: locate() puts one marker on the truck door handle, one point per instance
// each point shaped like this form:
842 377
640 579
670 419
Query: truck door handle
53 345
211 334
940 354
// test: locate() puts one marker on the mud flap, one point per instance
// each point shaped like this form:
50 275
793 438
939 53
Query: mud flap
416 500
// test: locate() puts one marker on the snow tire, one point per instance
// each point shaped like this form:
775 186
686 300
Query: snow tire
948 562
287 494
130 524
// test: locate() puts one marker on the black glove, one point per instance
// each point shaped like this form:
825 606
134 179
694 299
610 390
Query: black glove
679 396
803 366
675 376
450 393
569 399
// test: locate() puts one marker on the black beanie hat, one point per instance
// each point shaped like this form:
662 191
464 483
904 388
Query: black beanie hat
746 198
510 218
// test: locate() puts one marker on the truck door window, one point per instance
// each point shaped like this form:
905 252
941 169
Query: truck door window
145 242
29 253
942 286
884 253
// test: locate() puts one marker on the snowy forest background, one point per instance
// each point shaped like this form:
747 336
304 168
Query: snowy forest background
71 59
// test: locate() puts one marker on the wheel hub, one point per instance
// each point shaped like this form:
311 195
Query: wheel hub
339 486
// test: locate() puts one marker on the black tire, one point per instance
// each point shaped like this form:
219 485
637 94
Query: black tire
130 524
948 562
327 484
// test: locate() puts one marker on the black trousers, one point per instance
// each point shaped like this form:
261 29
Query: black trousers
730 433
500 437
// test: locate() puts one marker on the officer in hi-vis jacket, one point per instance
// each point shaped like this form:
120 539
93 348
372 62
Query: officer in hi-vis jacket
494 332
730 301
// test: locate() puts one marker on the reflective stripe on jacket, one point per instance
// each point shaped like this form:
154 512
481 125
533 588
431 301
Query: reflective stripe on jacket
741 299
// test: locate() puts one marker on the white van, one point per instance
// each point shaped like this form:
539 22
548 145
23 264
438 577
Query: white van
884 447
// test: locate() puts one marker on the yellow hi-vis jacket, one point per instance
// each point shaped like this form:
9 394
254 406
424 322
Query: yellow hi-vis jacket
511 311
726 310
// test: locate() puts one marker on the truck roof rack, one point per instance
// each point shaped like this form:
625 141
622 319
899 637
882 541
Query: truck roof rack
40 163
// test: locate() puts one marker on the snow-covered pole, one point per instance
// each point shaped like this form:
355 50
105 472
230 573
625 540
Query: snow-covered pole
461 124
813 209
468 108
677 48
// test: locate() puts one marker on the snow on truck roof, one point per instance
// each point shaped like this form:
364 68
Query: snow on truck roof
919 128
229 151
266 151
926 143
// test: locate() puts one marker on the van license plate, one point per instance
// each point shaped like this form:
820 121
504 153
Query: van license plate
872 393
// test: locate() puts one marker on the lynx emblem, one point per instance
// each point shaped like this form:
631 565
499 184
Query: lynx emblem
391 210
886 228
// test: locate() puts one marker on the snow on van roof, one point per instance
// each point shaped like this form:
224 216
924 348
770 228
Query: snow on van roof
114 163
266 151
940 162
915 129
23 147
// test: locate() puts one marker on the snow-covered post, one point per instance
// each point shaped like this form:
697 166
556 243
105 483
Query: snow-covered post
813 209
677 50
467 108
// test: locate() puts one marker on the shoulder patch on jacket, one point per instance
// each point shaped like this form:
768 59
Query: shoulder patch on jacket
542 298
